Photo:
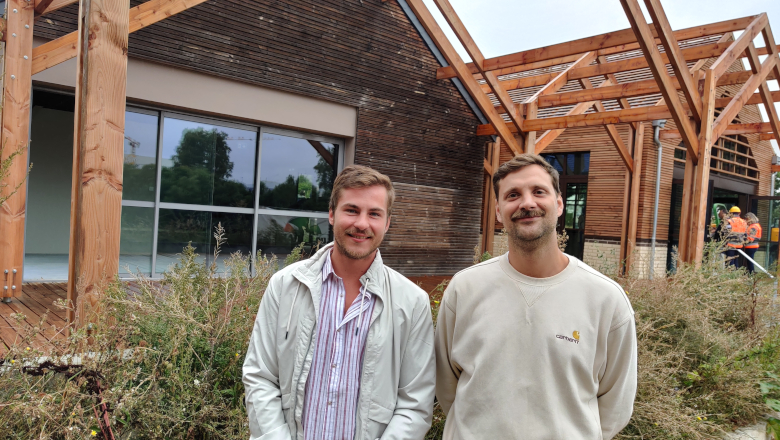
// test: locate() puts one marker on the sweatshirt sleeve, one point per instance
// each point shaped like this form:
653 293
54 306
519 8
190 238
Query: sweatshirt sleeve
261 375
447 372
617 386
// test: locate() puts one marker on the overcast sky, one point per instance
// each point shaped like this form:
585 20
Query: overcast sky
500 27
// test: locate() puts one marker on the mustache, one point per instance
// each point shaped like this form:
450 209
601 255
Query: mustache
353 231
524 213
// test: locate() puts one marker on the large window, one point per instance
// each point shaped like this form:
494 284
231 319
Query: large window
267 188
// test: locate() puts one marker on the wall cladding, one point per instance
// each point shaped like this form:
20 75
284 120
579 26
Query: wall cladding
363 53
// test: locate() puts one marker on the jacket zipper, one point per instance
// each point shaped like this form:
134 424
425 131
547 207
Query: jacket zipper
298 383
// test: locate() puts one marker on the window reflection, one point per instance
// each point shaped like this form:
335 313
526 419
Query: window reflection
140 164
207 164
178 228
296 173
278 234
135 241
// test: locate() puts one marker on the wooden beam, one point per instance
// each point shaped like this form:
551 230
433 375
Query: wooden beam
47 6
634 114
488 166
727 58
736 104
636 180
626 210
675 56
731 129
775 168
16 127
562 78
766 136
550 135
699 223
64 48
471 84
531 110
766 96
478 59
683 251
612 132
98 151
488 231
604 41
658 67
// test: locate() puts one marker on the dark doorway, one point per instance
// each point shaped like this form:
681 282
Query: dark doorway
573 171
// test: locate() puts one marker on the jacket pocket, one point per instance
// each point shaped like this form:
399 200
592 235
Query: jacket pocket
378 418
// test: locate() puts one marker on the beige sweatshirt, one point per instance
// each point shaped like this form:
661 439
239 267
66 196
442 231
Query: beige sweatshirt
535 358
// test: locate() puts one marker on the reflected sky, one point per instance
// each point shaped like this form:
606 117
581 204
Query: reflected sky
284 156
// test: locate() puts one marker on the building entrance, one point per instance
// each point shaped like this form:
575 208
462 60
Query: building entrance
573 172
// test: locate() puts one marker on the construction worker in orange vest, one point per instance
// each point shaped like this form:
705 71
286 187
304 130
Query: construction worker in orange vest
753 236
735 232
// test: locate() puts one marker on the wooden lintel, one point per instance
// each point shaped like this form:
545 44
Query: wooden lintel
471 84
635 114
731 129
64 48
727 58
599 42
744 94
99 123
675 56
661 75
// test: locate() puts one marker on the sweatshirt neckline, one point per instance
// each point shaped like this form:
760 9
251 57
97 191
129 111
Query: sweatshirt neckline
555 279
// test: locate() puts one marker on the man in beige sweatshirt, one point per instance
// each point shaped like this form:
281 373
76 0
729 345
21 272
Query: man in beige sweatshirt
534 344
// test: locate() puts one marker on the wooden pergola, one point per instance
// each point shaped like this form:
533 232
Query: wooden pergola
100 47
688 97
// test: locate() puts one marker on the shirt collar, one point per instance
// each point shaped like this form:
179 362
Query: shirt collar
327 271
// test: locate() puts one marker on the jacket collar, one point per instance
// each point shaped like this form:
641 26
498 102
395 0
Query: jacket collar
310 274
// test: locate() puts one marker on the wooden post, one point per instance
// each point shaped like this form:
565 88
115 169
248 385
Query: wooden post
626 203
685 212
96 200
633 213
486 193
17 81
699 212
490 210
531 110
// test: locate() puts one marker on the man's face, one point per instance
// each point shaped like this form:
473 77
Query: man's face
360 221
528 206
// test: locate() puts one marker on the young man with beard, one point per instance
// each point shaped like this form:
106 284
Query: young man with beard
342 347
534 344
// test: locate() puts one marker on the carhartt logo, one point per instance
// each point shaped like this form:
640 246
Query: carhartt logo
575 339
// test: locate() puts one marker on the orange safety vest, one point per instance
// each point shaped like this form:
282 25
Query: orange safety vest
737 233
753 235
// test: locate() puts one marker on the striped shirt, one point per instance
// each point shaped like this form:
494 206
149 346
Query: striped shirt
332 388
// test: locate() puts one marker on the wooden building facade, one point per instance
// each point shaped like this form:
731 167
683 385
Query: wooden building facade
353 80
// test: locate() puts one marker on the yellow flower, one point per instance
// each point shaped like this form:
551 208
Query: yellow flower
28 348
698 418
93 433
13 361
236 354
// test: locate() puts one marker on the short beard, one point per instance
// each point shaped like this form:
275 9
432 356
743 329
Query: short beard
345 251
526 242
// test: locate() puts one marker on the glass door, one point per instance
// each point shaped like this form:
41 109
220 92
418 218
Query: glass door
573 218
767 210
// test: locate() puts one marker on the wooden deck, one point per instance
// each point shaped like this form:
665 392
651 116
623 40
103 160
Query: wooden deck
36 300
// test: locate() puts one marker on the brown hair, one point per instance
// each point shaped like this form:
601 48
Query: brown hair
358 176
521 161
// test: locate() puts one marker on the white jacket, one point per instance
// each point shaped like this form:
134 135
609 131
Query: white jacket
398 377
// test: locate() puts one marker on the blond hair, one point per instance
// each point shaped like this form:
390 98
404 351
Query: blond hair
751 218
358 176
521 161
